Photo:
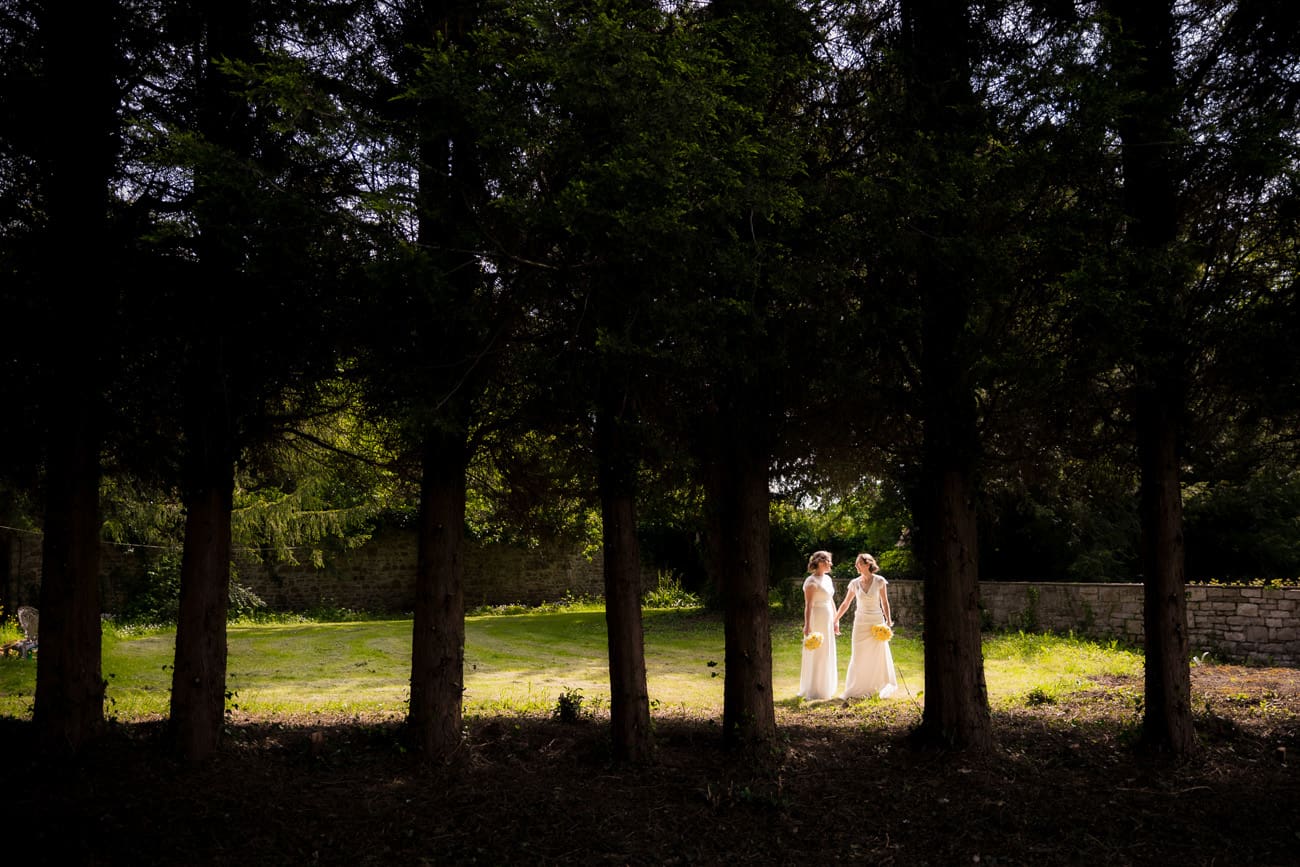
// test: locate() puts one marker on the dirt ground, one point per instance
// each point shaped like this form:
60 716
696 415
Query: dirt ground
1065 785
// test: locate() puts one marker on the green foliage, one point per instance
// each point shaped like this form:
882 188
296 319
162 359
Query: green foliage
1028 616
1242 530
1039 696
787 596
529 486
152 594
898 563
569 602
9 630
568 707
244 603
669 593
869 519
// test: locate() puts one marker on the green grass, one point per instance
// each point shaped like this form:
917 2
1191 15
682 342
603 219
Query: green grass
522 663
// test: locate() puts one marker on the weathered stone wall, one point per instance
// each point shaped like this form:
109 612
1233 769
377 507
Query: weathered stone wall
1239 624
1243 624
379 576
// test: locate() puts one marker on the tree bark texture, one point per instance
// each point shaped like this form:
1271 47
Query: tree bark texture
211 403
956 710
78 152
438 639
937 50
1144 37
629 694
69 707
1167 720
448 182
198 700
737 469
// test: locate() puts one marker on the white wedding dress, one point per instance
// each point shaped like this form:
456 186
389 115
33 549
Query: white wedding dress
819 673
871 664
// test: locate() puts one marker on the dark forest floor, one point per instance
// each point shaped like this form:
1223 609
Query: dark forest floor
1065 785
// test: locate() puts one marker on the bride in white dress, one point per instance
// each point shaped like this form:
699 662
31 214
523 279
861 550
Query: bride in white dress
819 673
871 664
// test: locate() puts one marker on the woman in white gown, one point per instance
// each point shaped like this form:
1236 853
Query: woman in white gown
819 673
871 664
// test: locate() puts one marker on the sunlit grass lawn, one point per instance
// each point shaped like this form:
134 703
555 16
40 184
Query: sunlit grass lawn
522 663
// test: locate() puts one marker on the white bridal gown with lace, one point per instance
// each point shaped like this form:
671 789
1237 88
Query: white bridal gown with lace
820 673
871 665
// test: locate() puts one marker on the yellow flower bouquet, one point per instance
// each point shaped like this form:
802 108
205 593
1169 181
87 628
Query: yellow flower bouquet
813 640
881 632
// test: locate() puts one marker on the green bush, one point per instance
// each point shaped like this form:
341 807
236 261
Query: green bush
897 563
568 707
154 595
244 603
669 593
787 594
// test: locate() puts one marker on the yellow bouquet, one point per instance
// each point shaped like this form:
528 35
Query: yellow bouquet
813 640
881 632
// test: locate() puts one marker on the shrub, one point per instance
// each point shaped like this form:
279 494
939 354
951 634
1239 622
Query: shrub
669 593
568 707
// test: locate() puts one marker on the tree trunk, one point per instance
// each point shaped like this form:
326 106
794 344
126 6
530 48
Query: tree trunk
198 700
1167 722
956 710
210 415
629 695
79 152
937 48
438 639
69 710
737 488
1145 45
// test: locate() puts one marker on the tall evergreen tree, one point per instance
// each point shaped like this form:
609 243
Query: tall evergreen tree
1206 118
938 49
77 155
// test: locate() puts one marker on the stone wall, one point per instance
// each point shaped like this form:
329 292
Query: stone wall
1240 624
379 576
1259 625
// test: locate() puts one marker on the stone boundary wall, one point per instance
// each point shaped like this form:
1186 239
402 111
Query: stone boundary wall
378 576
1257 625
1233 623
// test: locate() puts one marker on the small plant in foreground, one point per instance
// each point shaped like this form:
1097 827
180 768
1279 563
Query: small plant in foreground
1039 696
568 707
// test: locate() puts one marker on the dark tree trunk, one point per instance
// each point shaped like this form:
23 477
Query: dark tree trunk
69 710
78 153
1148 129
438 639
737 467
1167 722
198 700
937 46
956 710
211 403
449 184
617 467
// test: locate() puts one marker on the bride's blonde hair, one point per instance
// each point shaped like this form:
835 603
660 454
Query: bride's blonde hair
872 565
818 557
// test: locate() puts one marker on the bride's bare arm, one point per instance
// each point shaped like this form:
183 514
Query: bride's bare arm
849 596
